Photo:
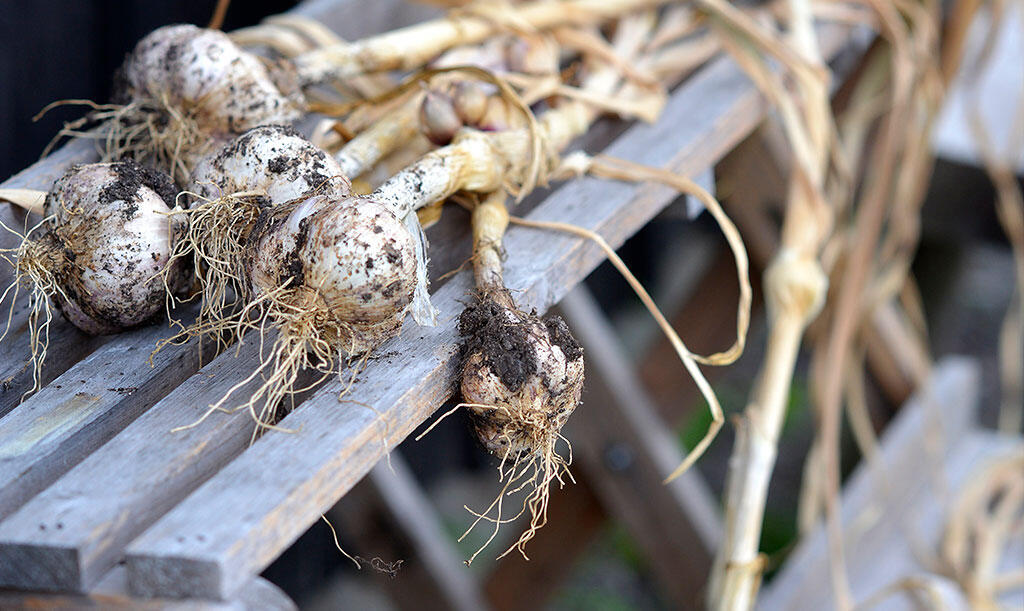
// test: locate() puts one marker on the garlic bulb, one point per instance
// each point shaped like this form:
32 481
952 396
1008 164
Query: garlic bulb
272 160
204 74
347 261
184 91
528 371
107 245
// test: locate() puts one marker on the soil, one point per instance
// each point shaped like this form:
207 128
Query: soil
130 178
506 348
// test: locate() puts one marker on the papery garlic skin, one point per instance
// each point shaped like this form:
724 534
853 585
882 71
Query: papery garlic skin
271 160
111 234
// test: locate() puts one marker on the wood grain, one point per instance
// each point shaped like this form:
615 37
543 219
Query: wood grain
82 409
258 594
337 443
72 532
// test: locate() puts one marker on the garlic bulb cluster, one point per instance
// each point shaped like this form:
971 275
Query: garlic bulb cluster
347 261
527 371
108 244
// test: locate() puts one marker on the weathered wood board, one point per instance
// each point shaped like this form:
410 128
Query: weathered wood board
893 512
83 408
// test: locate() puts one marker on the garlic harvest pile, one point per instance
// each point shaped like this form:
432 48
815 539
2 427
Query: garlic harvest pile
263 167
102 256
334 275
277 225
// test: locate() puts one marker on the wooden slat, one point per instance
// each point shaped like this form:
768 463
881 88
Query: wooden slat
415 514
627 451
72 532
337 443
83 408
111 593
894 511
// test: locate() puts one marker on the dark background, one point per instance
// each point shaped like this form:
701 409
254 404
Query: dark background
63 49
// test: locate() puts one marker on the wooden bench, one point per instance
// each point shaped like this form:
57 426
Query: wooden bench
99 498
894 510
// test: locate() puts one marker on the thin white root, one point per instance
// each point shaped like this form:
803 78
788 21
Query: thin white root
36 263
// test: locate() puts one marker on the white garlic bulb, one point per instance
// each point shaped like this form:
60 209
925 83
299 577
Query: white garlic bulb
528 371
271 160
202 73
349 259
108 242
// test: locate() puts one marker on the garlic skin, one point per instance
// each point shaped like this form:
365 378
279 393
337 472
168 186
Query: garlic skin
438 118
350 261
272 160
110 238
530 369
202 73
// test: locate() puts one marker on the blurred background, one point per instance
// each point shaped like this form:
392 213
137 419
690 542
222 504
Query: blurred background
588 557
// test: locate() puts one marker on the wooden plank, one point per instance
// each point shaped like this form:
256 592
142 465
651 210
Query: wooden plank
628 451
72 532
111 593
68 345
83 408
337 443
415 514
889 514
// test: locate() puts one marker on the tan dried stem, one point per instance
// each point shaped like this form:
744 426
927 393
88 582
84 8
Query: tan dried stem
980 530
794 286
30 200
411 47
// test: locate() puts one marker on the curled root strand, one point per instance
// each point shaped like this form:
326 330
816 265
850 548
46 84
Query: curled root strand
36 263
